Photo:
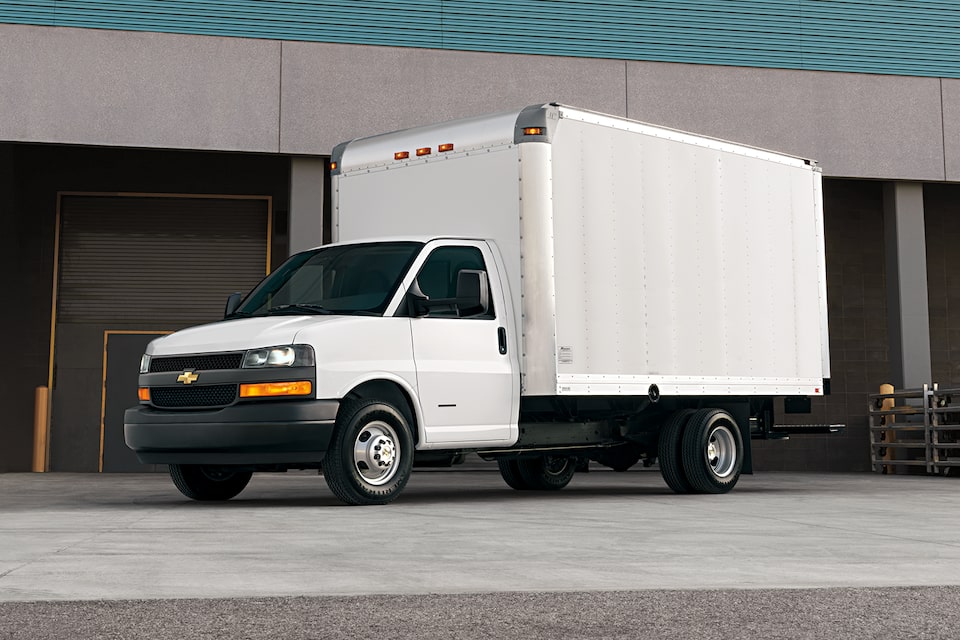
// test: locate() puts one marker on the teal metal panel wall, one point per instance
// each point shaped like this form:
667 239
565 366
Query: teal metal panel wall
910 37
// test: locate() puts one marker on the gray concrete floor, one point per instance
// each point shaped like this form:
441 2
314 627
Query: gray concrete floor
463 538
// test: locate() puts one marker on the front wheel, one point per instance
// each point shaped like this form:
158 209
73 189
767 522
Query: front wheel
712 451
510 472
370 455
547 473
203 482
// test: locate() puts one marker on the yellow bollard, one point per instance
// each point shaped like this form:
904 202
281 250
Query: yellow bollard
40 404
888 435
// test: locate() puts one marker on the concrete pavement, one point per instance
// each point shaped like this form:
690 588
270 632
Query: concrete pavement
106 537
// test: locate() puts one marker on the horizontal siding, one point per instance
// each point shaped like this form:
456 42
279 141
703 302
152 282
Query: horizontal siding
907 37
27 11
752 33
883 36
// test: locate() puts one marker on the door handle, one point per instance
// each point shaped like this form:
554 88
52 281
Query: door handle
502 337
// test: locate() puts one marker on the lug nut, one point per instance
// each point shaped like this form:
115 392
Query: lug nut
376 456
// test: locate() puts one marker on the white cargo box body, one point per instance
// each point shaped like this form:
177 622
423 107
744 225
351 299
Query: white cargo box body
636 255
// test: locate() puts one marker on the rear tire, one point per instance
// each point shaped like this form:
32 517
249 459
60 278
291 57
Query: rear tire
208 483
547 473
670 453
370 455
712 451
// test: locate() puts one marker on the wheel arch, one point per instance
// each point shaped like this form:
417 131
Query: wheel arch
396 392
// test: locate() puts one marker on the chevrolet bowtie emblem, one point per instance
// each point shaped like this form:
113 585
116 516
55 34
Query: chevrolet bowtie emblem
187 377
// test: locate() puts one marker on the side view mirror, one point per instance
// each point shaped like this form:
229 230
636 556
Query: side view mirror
233 301
473 297
473 292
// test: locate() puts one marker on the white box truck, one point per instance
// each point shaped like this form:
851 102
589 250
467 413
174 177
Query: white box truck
543 287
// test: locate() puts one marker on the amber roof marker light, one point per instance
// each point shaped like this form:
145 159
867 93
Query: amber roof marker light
424 151
448 146
533 131
401 155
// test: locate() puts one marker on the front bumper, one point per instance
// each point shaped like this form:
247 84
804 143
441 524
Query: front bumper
256 433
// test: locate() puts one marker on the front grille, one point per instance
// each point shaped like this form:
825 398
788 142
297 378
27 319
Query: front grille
213 395
197 363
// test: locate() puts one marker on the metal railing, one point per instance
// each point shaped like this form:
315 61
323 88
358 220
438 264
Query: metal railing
915 428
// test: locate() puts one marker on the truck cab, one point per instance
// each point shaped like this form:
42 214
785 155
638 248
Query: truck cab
414 332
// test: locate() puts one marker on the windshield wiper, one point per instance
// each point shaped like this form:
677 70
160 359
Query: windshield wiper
302 307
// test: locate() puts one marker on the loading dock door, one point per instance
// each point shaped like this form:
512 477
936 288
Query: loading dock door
138 263
122 351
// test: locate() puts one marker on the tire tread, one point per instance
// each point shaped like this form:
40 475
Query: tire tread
670 454
337 471
701 477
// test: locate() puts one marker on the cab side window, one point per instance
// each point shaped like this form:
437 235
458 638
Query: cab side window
440 274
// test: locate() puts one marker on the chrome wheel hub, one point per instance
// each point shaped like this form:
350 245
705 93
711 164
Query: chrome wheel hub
375 453
721 451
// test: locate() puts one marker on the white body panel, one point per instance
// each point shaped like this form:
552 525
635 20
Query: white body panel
633 255
464 392
688 266
468 392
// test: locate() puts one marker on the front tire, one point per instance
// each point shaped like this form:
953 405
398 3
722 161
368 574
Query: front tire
547 473
208 483
712 451
510 472
370 455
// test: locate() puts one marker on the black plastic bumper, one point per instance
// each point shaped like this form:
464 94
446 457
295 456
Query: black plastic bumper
256 433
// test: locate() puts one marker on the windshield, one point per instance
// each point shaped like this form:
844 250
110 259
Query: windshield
343 280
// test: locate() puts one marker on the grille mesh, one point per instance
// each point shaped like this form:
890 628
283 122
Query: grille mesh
197 363
214 395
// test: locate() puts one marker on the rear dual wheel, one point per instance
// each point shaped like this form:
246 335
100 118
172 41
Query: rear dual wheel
701 452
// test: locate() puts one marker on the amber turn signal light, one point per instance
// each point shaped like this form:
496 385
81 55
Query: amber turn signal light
273 389
144 394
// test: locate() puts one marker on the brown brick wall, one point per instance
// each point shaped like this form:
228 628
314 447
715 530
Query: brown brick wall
941 204
856 300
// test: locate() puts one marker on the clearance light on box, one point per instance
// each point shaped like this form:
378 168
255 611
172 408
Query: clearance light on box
274 389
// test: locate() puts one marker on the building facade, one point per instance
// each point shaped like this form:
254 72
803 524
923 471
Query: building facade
156 156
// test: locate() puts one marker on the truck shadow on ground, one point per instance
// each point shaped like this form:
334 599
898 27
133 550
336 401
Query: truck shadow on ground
460 493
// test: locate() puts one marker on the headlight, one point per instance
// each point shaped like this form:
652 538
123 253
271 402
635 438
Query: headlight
297 355
145 364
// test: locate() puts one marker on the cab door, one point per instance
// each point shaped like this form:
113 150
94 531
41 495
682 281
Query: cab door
465 367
